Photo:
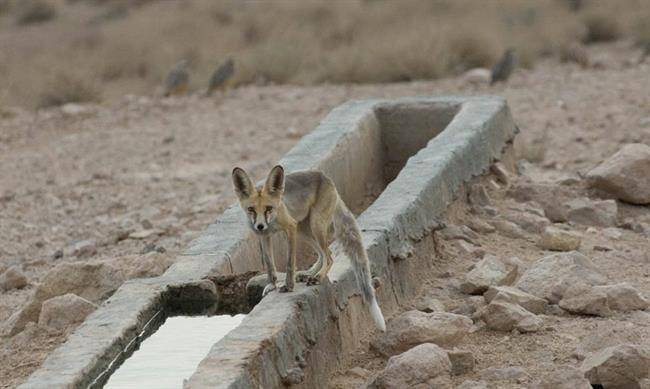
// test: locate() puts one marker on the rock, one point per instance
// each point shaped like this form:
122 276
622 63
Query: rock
58 254
359 372
504 316
255 286
84 249
490 271
12 278
556 239
548 195
607 335
623 297
600 213
151 264
530 222
415 368
480 226
509 229
583 299
144 234
93 281
464 248
74 109
511 373
501 173
414 327
548 277
566 377
462 361
429 304
64 311
621 366
477 76
471 384
613 233
454 232
625 174
509 294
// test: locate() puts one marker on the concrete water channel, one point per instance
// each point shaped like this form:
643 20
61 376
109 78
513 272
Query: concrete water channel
398 164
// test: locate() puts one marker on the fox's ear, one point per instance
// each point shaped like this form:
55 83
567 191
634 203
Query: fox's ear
274 184
242 183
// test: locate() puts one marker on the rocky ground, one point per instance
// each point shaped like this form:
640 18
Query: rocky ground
106 193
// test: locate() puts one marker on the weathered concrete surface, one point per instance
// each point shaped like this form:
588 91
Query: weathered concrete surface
362 146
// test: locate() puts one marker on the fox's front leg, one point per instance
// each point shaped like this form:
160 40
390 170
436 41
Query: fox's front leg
267 256
291 263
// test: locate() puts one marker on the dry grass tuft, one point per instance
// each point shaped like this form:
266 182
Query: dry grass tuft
67 88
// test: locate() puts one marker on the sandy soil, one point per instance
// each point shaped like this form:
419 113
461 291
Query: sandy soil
66 177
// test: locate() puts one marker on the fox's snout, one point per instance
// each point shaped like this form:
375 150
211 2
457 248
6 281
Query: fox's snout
261 227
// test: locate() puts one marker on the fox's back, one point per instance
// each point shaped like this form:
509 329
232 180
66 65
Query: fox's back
303 189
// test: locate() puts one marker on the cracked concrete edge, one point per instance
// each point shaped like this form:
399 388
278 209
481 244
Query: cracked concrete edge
117 321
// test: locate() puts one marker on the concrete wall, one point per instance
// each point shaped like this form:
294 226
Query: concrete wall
423 149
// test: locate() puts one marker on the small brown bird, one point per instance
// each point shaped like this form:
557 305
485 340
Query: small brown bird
221 77
503 69
178 79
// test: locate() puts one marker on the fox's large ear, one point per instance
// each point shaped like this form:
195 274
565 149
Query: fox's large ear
274 184
242 183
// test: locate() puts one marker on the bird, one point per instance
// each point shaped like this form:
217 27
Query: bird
221 77
178 79
503 69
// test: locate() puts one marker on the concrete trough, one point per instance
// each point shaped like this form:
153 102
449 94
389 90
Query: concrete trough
397 163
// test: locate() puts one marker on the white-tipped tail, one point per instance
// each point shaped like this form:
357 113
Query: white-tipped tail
349 236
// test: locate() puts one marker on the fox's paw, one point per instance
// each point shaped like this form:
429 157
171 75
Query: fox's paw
286 289
268 289
313 280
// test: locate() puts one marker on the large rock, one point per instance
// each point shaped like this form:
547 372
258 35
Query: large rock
490 271
549 277
12 278
608 335
93 281
151 264
462 361
556 239
618 367
625 174
623 297
565 378
64 311
599 213
510 373
509 294
585 300
414 327
421 367
504 316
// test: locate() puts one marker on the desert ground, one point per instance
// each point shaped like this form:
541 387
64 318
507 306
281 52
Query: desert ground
131 181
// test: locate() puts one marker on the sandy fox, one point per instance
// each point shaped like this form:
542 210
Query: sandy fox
304 205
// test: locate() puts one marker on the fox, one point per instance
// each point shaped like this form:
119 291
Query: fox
304 205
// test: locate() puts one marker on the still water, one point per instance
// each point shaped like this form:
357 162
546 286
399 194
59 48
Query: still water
172 353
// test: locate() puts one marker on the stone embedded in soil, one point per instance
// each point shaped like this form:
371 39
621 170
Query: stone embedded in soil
84 248
490 271
428 304
422 366
548 277
510 294
599 213
566 377
478 196
504 316
510 373
480 226
556 239
585 300
477 76
454 232
151 264
623 297
462 361
528 221
618 367
144 234
625 174
464 248
414 327
293 376
93 281
12 278
64 311
471 384
509 229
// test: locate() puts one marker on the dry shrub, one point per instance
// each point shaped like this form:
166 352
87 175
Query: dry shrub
601 27
68 88
34 11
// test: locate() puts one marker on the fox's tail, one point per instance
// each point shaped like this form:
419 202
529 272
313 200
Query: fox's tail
348 234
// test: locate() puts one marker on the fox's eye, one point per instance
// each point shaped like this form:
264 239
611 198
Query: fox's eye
269 208
251 209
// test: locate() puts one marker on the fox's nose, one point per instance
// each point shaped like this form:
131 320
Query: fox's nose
260 227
